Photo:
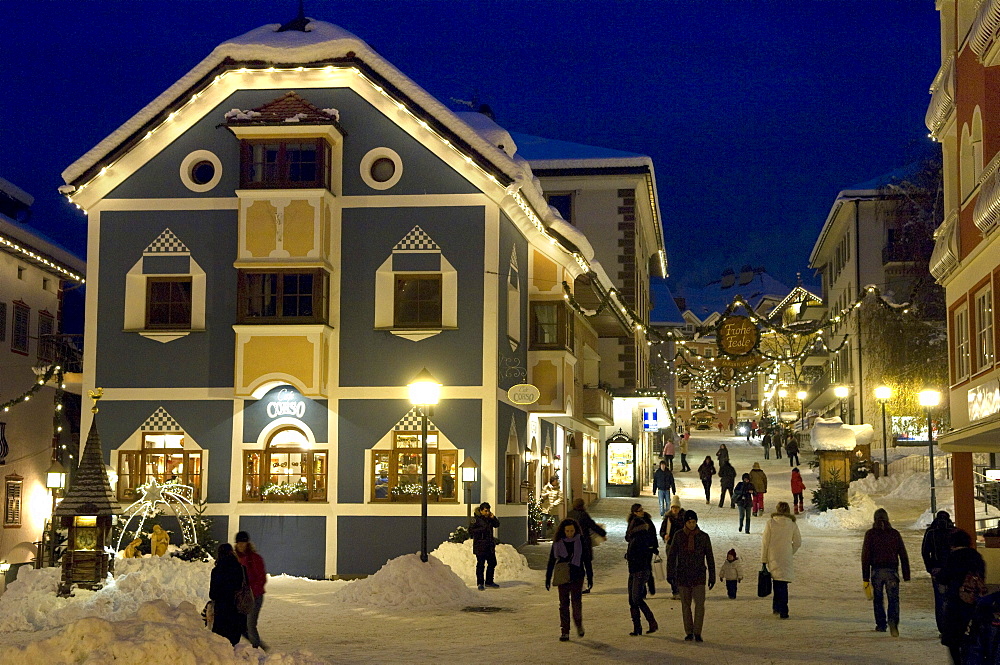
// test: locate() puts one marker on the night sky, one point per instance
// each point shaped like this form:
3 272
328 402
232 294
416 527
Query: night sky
755 112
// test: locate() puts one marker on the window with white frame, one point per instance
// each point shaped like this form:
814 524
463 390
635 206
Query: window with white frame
960 335
723 405
288 469
681 403
162 456
984 328
165 291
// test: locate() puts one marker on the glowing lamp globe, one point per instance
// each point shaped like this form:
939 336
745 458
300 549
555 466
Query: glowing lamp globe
424 389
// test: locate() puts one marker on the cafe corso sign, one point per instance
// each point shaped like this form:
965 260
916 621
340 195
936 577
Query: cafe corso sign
286 403
737 336
523 393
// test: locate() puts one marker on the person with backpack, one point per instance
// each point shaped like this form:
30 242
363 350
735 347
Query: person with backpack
705 473
798 487
882 554
727 477
759 480
743 498
934 549
964 575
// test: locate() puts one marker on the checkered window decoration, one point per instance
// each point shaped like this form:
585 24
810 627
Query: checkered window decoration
411 422
167 243
416 240
161 421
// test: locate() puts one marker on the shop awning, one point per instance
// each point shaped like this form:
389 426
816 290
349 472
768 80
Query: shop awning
982 437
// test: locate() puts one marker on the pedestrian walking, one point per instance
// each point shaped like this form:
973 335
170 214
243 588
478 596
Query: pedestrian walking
779 442
566 571
588 529
759 480
257 577
964 575
727 478
780 542
227 578
792 448
798 487
669 448
671 525
641 538
719 425
683 445
689 556
722 454
705 473
731 573
882 555
766 443
743 497
983 643
484 546
732 424
754 429
934 550
663 486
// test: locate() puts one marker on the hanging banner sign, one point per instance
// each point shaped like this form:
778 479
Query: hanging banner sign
737 335
285 403
523 393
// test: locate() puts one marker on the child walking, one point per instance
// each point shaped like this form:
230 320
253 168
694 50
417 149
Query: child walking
731 573
798 487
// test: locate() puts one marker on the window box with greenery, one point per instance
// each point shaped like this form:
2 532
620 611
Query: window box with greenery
282 296
284 474
300 163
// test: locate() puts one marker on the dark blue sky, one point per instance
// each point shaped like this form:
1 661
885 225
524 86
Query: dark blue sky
755 112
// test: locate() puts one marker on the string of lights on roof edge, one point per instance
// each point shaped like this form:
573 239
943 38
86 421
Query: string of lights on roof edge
51 372
41 259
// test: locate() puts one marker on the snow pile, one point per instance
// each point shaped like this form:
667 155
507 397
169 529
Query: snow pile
832 434
880 486
154 632
858 516
511 564
927 517
407 583
31 603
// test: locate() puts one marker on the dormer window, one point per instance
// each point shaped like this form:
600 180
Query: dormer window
295 164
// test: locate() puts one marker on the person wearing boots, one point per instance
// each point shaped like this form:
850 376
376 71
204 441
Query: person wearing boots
759 480
792 448
642 545
882 554
798 487
689 556
484 546
567 551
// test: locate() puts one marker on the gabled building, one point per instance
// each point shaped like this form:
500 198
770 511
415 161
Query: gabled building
964 116
278 245
35 274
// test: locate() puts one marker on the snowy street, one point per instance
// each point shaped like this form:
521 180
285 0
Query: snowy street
830 619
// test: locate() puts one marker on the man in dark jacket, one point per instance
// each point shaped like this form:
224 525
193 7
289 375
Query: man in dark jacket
689 554
766 442
882 553
792 448
727 478
663 486
934 550
484 546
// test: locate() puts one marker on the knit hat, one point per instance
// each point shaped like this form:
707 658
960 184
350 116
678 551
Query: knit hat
242 537
676 501
733 552
690 515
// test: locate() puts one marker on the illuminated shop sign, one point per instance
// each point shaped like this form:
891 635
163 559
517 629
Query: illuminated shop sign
650 419
984 400
621 463
286 403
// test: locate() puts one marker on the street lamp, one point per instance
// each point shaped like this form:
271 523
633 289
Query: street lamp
55 480
882 394
470 470
929 399
802 408
841 393
424 393
4 567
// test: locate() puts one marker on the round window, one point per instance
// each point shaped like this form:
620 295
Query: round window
202 172
383 169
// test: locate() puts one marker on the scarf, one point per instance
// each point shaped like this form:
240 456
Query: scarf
562 552
689 544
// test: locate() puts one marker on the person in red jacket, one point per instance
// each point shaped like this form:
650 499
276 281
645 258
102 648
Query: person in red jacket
257 576
798 487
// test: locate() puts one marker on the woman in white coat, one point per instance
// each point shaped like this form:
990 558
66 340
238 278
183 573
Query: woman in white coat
781 540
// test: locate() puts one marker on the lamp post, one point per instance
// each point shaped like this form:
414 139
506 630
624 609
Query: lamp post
470 470
929 399
424 393
55 481
882 394
841 393
802 408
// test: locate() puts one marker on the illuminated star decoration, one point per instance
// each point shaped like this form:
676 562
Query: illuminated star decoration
155 499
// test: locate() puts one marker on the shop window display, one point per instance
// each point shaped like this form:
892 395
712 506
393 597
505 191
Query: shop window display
286 470
397 474
163 456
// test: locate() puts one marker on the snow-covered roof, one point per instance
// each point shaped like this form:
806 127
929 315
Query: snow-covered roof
550 153
13 191
833 434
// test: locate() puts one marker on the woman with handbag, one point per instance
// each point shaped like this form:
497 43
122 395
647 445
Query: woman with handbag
565 570
591 534
780 542
228 577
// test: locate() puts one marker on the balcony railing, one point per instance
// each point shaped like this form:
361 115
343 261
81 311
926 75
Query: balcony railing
986 214
915 252
63 350
942 96
985 28
944 258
